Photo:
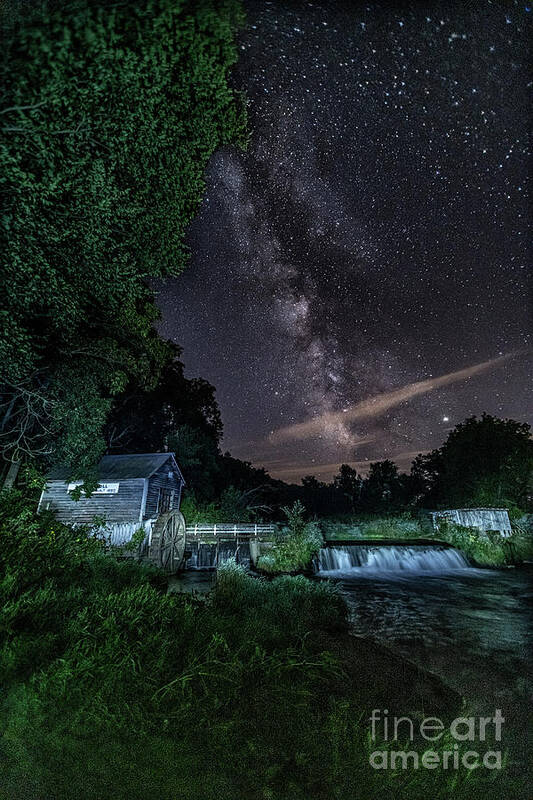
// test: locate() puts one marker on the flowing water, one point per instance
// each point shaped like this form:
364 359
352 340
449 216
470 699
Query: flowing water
208 556
472 627
360 559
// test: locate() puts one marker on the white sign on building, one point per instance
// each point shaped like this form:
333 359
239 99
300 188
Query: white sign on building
103 488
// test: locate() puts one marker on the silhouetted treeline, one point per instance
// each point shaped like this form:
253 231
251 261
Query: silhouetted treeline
483 462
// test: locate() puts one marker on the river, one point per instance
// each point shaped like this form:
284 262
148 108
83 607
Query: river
471 627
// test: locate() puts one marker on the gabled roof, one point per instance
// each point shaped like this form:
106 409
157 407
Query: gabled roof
134 465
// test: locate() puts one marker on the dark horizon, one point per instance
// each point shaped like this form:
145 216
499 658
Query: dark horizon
372 238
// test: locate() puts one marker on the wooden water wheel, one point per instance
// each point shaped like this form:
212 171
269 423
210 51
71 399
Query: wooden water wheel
168 541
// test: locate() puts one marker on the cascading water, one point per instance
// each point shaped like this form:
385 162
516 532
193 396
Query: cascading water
360 559
209 556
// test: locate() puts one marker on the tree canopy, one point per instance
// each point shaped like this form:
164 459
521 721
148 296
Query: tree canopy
146 419
109 114
485 461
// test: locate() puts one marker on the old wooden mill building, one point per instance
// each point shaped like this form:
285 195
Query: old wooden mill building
141 492
134 491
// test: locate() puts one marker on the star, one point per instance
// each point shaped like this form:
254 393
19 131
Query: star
364 241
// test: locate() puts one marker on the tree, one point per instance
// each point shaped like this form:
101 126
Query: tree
349 485
109 115
382 489
485 461
198 455
421 479
143 420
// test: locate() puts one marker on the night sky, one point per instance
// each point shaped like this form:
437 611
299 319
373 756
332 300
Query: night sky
358 281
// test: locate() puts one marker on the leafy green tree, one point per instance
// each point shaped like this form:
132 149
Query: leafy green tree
198 455
320 498
421 478
234 505
486 462
349 485
108 117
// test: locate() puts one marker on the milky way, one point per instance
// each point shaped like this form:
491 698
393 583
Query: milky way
373 236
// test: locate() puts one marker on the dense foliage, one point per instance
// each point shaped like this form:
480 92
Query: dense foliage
295 546
483 462
178 413
114 688
109 114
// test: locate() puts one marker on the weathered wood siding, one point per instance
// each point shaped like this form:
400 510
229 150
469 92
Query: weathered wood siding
160 480
125 506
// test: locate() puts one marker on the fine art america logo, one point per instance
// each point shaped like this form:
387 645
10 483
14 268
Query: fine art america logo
451 753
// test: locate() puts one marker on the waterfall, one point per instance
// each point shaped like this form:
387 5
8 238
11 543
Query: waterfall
360 559
206 555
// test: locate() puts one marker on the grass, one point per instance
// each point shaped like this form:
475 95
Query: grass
374 527
489 549
113 688
260 693
483 549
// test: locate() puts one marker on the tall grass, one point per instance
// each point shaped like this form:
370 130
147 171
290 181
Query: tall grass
374 527
156 696
113 688
489 549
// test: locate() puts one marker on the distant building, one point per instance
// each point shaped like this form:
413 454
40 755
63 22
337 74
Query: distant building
485 519
131 488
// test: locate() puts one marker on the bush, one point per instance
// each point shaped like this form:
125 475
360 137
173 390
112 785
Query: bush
520 545
295 546
489 549
113 688
477 545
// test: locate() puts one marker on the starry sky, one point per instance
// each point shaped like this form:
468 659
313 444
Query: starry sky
358 281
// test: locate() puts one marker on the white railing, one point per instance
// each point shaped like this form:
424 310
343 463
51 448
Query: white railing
242 530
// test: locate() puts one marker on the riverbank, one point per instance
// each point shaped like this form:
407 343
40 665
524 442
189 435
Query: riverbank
471 628
117 689
483 549
114 687
253 692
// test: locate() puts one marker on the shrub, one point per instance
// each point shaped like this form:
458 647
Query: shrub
295 546
475 544
489 549
114 689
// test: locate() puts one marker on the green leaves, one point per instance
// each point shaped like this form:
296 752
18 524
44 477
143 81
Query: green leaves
108 119
485 461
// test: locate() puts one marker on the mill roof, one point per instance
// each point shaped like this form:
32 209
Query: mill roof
132 465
